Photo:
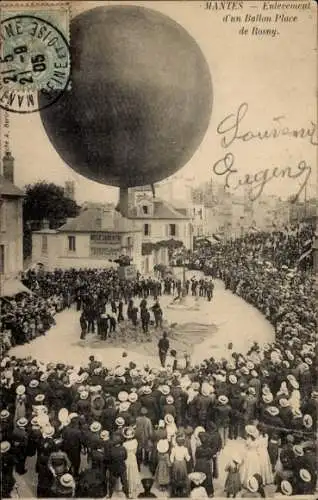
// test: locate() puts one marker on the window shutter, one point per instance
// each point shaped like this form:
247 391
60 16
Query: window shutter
176 230
149 229
167 230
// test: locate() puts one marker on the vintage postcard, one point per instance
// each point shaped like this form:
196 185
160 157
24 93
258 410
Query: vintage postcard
158 249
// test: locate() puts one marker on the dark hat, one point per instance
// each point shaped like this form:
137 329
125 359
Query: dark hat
147 483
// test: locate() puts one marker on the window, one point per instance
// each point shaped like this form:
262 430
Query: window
1 258
44 243
2 216
145 209
172 230
72 243
146 229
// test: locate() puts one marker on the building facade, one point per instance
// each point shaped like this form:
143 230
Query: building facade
11 229
93 239
160 222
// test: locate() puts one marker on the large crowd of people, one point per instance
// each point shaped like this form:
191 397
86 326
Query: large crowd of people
94 429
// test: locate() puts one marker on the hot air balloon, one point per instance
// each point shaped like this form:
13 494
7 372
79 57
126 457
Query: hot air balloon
140 100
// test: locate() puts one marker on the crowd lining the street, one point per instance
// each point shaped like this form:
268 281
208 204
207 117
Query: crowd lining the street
90 426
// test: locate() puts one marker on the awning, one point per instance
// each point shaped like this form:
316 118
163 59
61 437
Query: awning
12 287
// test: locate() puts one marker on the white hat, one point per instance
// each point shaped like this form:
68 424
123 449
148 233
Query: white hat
20 390
252 484
163 446
73 415
119 371
63 415
132 397
43 420
298 450
147 389
95 427
35 422
283 402
251 430
81 388
170 399
4 414
122 396
250 365
48 431
197 477
169 419
165 389
84 394
254 373
5 446
120 422
33 383
307 421
294 383
273 411
22 422
128 433
223 399
39 398
286 488
67 480
104 435
232 379
305 475
124 406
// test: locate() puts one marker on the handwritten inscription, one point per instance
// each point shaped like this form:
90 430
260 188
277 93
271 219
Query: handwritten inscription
231 129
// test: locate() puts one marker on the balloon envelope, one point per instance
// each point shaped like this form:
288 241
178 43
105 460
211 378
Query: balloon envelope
140 98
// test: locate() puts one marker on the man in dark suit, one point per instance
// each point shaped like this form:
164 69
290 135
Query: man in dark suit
163 346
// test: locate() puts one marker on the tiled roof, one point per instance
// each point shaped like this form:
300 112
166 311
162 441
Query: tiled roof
161 210
89 221
9 189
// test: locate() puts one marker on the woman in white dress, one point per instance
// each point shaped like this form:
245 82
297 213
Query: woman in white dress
195 441
251 463
264 460
133 475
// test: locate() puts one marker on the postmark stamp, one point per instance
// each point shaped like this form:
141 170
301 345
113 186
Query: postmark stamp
35 58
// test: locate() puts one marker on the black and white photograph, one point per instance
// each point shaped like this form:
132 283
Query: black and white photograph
158 249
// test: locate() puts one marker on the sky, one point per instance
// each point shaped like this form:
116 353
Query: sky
275 76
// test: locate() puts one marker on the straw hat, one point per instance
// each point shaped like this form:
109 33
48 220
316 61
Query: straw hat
165 390
133 397
48 431
122 396
128 433
33 383
305 475
104 435
251 430
73 415
252 484
236 458
250 365
5 446
20 390
67 480
298 450
267 398
197 477
169 399
232 379
223 400
63 415
147 390
4 414
39 398
124 406
307 421
169 419
294 383
120 422
22 422
286 488
283 403
95 427
84 395
163 446
273 411
119 371
254 373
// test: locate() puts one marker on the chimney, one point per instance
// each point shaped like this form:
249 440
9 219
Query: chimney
69 190
8 167
107 218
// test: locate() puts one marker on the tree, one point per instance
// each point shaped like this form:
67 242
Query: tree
44 200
